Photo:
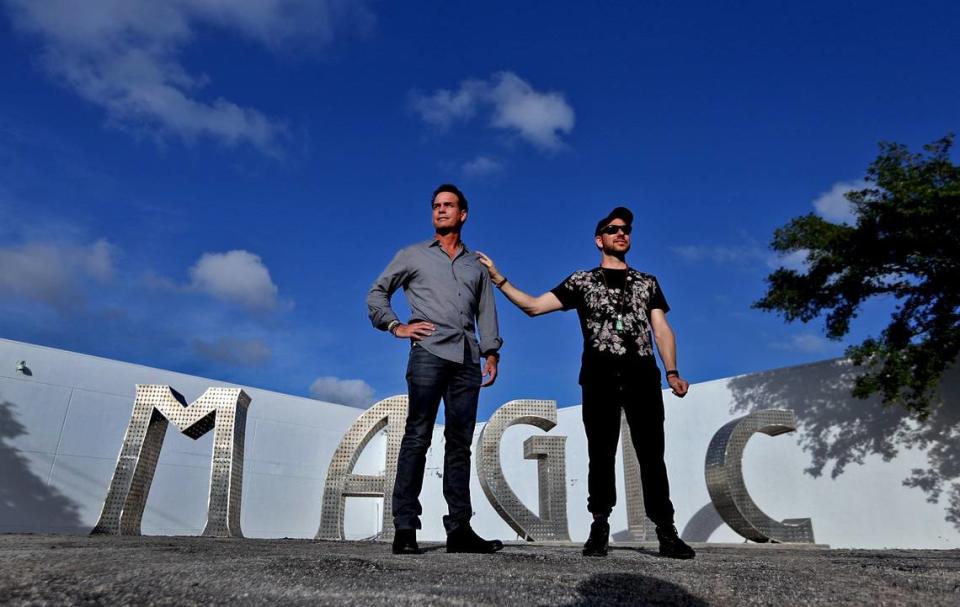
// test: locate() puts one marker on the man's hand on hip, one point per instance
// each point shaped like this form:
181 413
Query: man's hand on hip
415 330
490 370
678 385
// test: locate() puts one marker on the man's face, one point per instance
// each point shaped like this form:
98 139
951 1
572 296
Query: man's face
617 243
447 216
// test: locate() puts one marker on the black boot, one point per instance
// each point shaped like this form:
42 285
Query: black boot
599 537
671 545
464 539
405 542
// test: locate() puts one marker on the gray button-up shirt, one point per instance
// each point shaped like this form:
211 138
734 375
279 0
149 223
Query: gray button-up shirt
450 293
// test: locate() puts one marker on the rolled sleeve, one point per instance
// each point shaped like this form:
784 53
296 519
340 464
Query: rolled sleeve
378 299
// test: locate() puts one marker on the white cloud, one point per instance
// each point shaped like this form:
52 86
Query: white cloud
443 108
153 280
235 276
741 255
97 260
833 204
540 117
350 392
797 260
807 343
54 273
123 55
481 166
512 103
234 351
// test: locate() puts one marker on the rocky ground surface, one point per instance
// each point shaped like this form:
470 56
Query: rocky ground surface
61 570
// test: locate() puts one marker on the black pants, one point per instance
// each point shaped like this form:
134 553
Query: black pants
637 392
430 378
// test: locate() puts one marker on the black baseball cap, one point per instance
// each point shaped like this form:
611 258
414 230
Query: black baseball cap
618 213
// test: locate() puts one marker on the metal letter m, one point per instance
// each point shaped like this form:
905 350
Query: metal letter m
222 409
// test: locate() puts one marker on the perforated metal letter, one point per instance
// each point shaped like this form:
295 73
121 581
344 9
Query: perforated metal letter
724 473
342 483
222 409
551 525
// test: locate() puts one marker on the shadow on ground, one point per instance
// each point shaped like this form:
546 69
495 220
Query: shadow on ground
632 589
702 524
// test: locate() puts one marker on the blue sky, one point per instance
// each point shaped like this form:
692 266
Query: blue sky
211 186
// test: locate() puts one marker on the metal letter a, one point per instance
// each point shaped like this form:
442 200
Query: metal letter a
343 483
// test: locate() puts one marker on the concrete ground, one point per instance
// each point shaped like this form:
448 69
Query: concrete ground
59 570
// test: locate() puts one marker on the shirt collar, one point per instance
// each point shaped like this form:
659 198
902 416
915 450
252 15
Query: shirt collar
598 273
436 243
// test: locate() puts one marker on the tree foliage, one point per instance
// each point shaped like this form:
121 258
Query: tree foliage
905 244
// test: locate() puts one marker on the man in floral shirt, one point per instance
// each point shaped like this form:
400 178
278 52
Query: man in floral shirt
618 306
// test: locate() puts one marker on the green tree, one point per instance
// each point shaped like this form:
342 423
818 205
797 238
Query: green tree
905 244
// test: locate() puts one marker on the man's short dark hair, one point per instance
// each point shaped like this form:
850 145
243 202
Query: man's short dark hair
449 187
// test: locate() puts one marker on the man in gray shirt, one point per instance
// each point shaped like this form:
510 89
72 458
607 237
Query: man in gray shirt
450 297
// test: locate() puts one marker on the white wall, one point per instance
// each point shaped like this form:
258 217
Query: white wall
66 423
62 426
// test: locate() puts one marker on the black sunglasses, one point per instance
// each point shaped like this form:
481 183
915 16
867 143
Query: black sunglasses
610 230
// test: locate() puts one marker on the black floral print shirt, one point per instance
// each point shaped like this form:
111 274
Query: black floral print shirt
614 309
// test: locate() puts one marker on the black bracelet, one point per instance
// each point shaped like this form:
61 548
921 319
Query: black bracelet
672 372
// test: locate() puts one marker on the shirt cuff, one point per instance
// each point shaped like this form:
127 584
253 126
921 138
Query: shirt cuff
383 323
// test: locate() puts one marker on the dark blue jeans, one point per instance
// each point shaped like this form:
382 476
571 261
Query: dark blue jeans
430 378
